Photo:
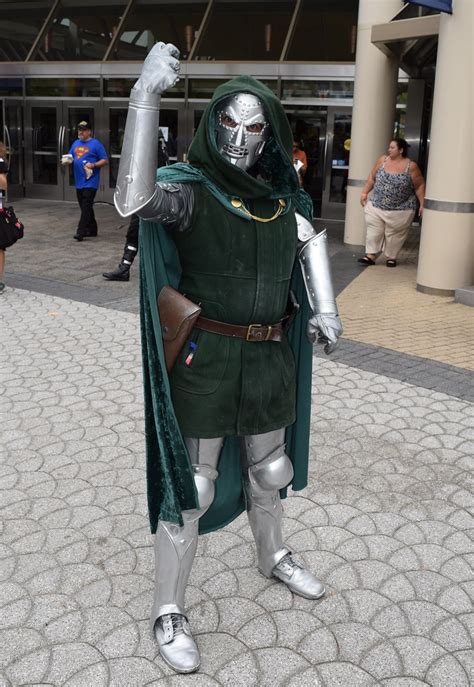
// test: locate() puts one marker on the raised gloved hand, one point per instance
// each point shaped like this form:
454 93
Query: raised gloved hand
327 328
160 70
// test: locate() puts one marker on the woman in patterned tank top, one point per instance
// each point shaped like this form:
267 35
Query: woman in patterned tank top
397 183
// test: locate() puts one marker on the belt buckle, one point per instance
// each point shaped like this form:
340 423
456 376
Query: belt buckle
250 333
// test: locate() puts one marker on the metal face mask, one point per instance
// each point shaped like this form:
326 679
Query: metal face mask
242 129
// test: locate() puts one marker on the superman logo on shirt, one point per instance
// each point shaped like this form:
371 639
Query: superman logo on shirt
80 151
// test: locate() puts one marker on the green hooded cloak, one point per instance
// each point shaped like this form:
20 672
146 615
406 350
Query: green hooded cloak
170 483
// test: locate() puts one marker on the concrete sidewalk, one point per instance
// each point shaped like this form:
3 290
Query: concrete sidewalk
384 520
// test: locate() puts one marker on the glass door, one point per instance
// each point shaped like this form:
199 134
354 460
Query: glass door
50 130
115 117
191 118
114 120
308 125
338 146
171 127
12 127
44 134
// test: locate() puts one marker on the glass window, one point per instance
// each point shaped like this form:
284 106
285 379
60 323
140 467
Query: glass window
341 147
309 131
326 31
44 132
246 30
155 20
204 88
19 27
317 89
402 94
399 126
11 87
66 88
120 88
81 30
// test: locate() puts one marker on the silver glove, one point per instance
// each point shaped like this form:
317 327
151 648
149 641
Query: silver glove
327 328
160 70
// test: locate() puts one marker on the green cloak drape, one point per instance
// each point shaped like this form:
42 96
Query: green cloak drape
170 483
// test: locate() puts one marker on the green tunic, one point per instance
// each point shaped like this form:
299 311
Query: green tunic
233 386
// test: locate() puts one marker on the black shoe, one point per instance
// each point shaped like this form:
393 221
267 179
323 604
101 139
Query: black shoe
365 260
78 236
122 273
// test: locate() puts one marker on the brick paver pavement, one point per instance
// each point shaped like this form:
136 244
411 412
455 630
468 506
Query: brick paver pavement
385 519
384 522
382 307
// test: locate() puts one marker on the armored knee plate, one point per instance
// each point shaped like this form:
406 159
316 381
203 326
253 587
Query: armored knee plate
272 473
204 478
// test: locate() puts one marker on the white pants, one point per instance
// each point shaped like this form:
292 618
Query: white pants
387 230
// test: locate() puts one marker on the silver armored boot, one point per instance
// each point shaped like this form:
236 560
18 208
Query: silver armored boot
268 470
175 548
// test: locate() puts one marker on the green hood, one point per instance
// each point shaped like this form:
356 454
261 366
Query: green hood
275 167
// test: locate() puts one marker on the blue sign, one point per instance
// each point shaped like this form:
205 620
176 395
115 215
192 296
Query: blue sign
441 5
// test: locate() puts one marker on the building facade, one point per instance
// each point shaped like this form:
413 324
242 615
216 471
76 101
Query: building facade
67 60
350 74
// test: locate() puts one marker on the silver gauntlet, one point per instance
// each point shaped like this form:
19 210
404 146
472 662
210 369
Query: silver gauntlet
139 157
313 257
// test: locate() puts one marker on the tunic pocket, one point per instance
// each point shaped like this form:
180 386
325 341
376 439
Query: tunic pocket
202 363
287 362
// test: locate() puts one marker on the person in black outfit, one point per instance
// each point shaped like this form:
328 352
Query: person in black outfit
122 271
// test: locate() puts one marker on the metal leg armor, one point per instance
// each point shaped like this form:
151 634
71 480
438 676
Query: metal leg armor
268 470
175 548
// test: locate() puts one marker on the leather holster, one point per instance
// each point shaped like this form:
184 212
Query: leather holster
177 316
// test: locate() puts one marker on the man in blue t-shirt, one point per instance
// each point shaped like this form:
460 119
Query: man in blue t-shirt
88 155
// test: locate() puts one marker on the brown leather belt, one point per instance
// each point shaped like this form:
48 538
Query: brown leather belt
254 332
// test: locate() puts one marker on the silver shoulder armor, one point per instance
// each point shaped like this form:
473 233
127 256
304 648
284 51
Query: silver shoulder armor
139 156
313 257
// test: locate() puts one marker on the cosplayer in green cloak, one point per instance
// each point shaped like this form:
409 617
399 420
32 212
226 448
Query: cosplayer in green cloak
228 427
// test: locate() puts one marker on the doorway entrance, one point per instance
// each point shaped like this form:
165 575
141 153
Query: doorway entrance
11 127
323 133
50 130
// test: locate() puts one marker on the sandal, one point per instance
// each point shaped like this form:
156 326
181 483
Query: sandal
391 263
366 260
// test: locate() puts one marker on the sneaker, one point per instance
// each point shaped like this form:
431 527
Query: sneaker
176 643
298 579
